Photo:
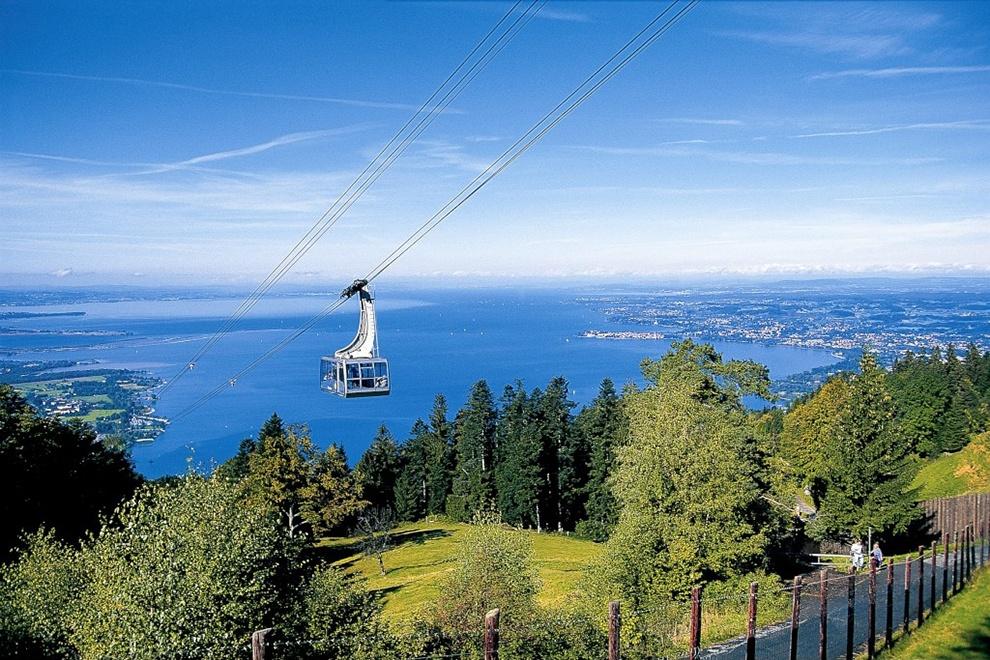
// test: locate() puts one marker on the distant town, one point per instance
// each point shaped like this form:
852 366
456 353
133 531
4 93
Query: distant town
118 403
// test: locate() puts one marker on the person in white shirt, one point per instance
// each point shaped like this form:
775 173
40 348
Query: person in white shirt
856 554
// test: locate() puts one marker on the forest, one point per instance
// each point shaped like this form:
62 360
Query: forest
680 483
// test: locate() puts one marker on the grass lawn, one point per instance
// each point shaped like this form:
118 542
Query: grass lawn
958 631
96 398
966 471
94 415
423 553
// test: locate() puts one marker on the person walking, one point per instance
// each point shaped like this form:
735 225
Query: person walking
877 555
856 554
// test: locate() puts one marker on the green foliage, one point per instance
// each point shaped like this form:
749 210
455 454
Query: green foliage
604 427
412 485
439 458
343 618
279 472
474 448
184 571
492 569
378 469
54 474
563 459
808 442
331 496
38 593
867 483
689 482
517 474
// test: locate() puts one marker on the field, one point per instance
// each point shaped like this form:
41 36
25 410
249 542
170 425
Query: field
960 630
424 553
966 471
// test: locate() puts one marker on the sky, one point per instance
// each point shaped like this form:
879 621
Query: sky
157 142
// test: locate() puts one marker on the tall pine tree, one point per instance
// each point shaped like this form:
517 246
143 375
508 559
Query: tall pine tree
378 469
411 486
868 486
517 473
604 428
439 458
474 444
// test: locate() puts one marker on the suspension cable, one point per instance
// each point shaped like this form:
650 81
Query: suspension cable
619 60
394 148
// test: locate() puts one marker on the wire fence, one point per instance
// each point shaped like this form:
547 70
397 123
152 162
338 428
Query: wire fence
826 614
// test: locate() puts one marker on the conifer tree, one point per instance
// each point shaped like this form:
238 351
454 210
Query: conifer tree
517 472
474 441
603 426
411 486
566 457
868 486
439 458
378 469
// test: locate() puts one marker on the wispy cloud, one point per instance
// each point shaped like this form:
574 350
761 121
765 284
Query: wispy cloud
752 158
360 103
897 72
859 46
563 15
702 121
969 125
281 141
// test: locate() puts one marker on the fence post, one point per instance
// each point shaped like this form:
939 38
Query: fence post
614 622
888 637
934 571
907 594
955 562
965 571
751 623
945 569
871 613
921 585
491 635
795 616
258 643
823 616
850 611
695 622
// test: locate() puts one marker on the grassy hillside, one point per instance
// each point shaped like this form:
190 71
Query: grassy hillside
960 630
423 553
966 471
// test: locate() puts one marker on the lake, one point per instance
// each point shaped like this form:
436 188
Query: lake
436 342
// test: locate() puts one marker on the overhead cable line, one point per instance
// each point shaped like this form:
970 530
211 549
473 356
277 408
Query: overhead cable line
622 57
437 102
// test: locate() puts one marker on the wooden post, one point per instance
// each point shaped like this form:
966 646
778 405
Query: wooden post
614 622
871 613
945 569
823 616
795 616
695 623
934 569
964 577
850 612
907 594
888 637
491 635
921 585
258 643
751 623
955 562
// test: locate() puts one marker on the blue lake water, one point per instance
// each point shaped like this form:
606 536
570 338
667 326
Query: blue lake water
436 342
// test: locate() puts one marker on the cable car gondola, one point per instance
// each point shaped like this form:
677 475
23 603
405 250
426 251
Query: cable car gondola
357 370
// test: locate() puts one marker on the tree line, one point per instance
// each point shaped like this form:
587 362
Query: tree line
682 483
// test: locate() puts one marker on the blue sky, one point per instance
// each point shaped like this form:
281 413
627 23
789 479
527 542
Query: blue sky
167 141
